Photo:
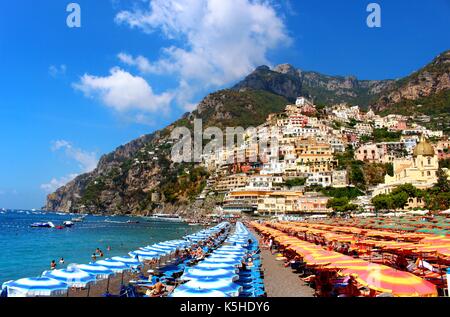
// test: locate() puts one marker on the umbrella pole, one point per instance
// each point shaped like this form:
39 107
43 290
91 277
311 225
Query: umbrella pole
107 285
89 290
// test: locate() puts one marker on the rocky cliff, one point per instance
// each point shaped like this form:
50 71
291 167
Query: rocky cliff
431 80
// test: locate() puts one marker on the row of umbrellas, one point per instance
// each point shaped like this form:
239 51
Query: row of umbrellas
216 276
378 277
57 282
412 243
437 224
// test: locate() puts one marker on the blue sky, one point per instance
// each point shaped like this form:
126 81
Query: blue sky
69 95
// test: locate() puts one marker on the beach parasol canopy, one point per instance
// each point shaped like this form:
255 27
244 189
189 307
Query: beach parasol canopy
197 273
145 255
72 277
210 265
132 262
160 251
36 286
226 286
115 266
100 272
187 293
388 280
229 261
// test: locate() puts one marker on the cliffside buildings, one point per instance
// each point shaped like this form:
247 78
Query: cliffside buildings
302 143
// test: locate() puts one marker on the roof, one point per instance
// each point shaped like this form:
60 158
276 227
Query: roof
423 148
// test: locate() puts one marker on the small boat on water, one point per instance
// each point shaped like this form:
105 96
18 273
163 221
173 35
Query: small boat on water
132 221
68 224
166 217
78 219
42 225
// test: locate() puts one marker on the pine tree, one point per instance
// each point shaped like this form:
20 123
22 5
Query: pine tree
442 185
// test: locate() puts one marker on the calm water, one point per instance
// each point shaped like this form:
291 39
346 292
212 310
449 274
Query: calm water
27 252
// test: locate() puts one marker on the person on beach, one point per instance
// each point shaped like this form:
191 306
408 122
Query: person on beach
53 265
108 248
270 245
61 261
156 290
94 257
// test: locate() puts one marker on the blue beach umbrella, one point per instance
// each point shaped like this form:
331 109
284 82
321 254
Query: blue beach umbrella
36 286
130 261
210 265
229 254
100 272
226 256
72 277
187 293
160 251
231 248
226 286
174 243
143 255
115 266
163 247
231 262
205 273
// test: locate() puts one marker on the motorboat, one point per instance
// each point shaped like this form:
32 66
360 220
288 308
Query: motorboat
132 221
68 224
78 219
42 225
166 217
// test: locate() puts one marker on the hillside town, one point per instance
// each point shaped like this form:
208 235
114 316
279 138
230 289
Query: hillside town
317 152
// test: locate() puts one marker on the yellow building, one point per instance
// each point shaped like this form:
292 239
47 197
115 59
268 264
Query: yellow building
420 170
315 156
231 182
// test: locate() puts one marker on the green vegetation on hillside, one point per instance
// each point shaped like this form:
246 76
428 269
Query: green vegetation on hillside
436 106
341 205
435 198
346 192
184 183
295 182
382 135
240 109
362 174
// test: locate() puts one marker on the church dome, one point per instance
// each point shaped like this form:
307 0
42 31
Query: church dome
423 148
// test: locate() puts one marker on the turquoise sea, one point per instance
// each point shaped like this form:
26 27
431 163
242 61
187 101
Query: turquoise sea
27 252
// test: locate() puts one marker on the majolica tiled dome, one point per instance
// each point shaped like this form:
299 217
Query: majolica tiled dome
423 148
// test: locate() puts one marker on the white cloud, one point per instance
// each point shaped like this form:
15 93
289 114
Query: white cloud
124 92
140 62
222 41
87 162
56 183
56 71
